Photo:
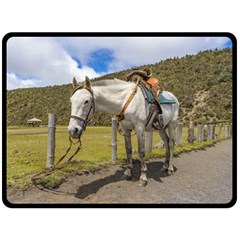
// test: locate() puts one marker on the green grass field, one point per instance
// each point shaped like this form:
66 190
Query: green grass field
27 153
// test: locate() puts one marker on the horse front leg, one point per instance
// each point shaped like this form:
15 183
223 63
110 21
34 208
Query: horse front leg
128 146
141 152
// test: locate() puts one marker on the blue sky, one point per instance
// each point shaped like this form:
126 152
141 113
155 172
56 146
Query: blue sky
100 59
44 61
228 43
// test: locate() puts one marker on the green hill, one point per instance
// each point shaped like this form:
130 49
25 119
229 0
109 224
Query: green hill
202 83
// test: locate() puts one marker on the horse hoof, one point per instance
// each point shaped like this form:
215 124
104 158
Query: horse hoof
170 172
126 177
143 183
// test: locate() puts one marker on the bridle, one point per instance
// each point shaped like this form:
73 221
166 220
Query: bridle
87 119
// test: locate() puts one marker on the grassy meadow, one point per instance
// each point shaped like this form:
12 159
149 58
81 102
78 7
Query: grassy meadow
27 152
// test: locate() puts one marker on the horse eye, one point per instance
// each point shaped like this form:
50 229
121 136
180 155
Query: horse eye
86 102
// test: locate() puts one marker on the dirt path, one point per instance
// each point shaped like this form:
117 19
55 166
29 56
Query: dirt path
201 177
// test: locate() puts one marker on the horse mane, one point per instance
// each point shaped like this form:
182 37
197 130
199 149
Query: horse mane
102 83
109 82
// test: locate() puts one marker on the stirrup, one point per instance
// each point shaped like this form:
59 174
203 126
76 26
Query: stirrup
158 123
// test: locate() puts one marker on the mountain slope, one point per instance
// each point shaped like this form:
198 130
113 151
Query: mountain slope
202 83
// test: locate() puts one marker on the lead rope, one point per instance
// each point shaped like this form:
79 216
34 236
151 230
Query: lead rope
46 172
78 149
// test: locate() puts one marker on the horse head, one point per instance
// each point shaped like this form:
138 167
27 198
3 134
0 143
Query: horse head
82 108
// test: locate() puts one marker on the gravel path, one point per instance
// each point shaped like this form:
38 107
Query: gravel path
204 176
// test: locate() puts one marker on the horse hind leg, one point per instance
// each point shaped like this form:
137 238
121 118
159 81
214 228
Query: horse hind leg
165 139
172 131
169 144
128 146
141 152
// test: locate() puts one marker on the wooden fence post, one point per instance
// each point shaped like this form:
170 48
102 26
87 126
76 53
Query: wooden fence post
200 136
225 131
213 131
205 133
51 140
179 134
191 136
210 132
114 139
148 141
228 130
219 132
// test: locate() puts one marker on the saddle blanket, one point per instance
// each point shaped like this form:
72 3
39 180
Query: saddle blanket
163 99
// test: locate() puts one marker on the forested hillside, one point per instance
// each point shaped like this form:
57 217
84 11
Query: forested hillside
202 83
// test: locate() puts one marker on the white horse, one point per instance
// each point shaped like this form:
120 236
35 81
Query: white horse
109 96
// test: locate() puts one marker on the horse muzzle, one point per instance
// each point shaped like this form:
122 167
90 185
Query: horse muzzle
75 132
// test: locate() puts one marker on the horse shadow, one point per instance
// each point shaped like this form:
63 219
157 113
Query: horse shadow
93 187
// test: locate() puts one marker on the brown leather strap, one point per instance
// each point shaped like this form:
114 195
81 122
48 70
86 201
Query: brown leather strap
147 85
121 114
79 118
150 89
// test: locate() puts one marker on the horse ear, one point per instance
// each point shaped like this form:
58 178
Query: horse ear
87 83
75 83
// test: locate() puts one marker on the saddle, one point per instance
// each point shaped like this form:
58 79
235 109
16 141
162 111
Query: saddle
153 93
147 82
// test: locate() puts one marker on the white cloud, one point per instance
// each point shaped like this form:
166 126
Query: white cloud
47 61
135 51
139 51
15 82
43 60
